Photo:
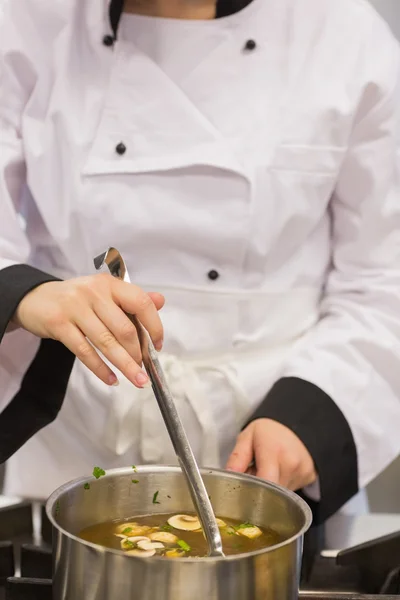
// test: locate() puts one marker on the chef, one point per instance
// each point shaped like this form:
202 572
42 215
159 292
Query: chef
241 155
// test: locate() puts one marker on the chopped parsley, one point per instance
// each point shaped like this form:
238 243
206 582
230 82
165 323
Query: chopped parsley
98 472
86 486
134 468
182 544
155 501
128 544
166 527
244 526
135 480
127 530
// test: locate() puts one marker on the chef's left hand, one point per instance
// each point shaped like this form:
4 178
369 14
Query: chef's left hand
279 455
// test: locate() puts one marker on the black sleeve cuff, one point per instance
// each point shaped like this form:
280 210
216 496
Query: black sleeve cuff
39 399
44 385
15 283
315 418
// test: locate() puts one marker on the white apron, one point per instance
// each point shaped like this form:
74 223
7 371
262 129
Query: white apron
215 393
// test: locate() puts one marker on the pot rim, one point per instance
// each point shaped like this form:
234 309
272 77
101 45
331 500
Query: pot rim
55 496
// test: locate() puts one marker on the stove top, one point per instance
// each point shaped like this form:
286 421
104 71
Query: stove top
370 571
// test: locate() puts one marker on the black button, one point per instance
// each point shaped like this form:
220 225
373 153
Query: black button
250 45
120 149
108 40
213 275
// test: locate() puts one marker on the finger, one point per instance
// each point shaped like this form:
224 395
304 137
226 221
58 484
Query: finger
121 327
290 467
267 463
242 454
103 339
158 299
76 342
135 301
269 470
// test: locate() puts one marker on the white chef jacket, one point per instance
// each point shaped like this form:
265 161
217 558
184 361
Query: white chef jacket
276 168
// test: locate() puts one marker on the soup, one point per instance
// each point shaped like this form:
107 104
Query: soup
177 536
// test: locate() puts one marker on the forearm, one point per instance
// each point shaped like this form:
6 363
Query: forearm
44 385
16 282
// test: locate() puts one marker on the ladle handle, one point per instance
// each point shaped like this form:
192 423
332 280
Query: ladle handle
113 259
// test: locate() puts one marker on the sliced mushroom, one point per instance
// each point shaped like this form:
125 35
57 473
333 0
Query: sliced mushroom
221 524
142 553
148 545
175 553
164 536
250 532
184 522
132 529
128 542
122 526
136 530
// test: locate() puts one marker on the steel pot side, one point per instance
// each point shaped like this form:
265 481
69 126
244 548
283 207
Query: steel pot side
85 571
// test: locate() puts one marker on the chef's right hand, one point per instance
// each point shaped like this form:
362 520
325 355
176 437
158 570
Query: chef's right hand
92 309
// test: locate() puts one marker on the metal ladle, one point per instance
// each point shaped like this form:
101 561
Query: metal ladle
114 261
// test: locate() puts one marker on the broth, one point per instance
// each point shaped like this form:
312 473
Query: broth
177 536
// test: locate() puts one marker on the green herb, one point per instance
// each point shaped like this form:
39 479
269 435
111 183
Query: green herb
230 531
98 472
244 526
128 544
127 530
87 486
155 498
166 527
135 480
57 508
182 544
134 468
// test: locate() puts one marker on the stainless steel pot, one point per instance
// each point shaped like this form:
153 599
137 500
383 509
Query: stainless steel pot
84 571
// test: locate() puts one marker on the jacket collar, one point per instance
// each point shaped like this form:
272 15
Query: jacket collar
224 8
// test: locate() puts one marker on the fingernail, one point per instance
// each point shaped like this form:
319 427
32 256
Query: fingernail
158 345
113 381
142 380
